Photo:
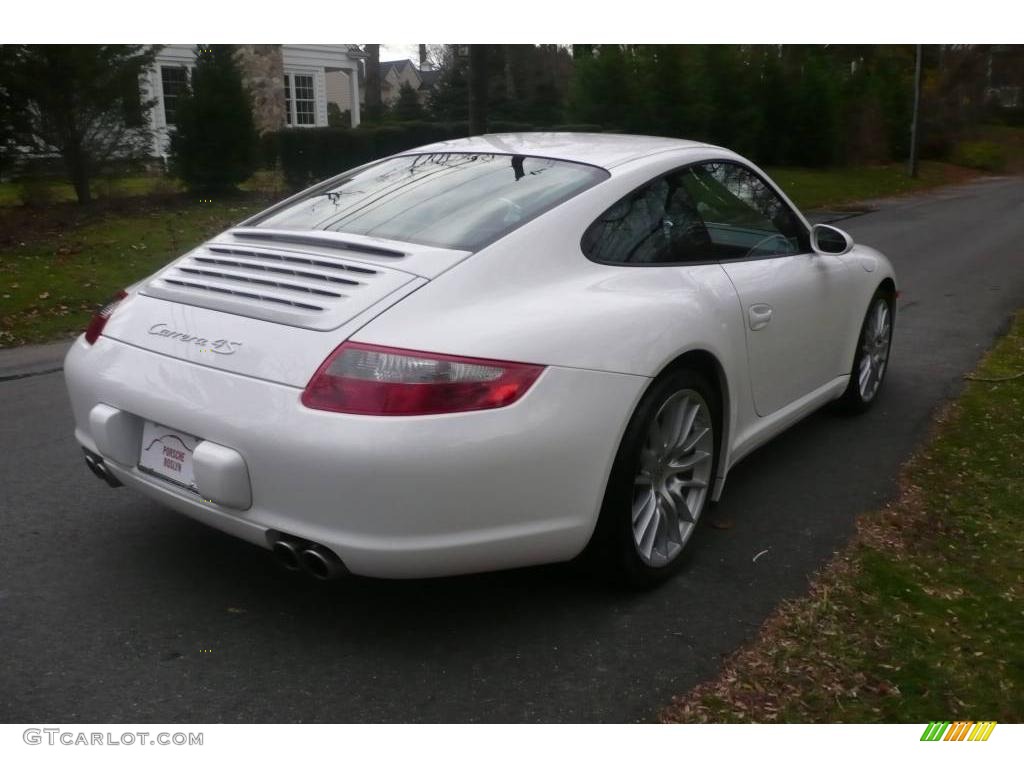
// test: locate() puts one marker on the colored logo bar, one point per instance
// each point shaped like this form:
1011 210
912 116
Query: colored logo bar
960 730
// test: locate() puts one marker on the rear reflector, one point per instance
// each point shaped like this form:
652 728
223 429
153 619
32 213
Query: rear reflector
100 317
381 381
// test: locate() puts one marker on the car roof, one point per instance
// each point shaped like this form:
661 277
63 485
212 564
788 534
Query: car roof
606 150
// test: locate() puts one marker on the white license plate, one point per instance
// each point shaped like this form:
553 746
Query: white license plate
167 453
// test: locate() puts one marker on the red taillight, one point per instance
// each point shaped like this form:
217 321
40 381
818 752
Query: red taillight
100 317
381 381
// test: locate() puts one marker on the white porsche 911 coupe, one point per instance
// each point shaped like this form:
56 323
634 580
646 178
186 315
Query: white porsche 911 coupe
481 354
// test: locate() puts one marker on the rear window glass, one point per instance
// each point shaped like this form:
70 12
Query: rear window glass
450 200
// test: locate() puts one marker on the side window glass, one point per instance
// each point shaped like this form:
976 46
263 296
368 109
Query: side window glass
744 217
655 224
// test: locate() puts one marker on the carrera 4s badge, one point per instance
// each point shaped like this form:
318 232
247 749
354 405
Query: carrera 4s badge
220 346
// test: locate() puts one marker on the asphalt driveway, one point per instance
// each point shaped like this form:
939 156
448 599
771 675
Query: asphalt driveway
113 609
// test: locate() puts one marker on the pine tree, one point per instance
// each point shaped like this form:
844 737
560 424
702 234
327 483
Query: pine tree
213 146
449 99
407 106
81 101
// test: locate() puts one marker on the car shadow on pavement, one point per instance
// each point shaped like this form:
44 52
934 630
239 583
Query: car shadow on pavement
188 561
225 569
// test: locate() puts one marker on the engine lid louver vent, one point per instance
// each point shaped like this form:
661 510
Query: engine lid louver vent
284 286
318 240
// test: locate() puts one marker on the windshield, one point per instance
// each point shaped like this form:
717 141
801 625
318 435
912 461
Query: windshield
450 200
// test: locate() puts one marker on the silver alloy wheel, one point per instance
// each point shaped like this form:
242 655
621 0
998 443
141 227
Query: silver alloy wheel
874 347
675 472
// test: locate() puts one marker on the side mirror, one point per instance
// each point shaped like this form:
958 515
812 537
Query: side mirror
830 240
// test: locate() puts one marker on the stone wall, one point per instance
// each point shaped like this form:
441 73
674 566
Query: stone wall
262 70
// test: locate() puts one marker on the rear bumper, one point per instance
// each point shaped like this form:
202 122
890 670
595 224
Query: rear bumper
392 497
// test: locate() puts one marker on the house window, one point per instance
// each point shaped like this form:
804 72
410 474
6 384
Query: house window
174 81
300 100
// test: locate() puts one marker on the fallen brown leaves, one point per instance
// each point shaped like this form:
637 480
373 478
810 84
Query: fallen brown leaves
793 665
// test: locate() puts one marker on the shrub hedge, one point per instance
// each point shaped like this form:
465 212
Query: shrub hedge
307 155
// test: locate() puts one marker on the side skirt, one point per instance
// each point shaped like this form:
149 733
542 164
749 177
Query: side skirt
764 429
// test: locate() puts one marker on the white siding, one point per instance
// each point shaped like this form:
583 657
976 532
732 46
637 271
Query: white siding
338 90
312 60
152 87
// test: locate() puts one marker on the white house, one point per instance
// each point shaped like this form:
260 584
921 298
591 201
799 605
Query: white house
291 85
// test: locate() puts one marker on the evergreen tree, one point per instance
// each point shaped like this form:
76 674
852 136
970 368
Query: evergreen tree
81 101
479 87
407 106
213 145
772 97
449 100
814 123
808 105
606 90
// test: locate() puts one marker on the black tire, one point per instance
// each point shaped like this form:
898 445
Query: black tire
853 400
613 552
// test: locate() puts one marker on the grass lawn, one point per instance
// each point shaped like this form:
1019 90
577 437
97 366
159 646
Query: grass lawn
922 616
110 188
59 191
843 187
1011 140
57 264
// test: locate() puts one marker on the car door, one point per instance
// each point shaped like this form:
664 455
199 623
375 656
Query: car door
790 298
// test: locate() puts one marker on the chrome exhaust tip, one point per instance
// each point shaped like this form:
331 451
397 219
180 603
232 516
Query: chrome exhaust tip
288 554
95 464
320 563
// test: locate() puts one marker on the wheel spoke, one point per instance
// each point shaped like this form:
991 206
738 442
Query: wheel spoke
682 509
673 422
689 462
665 499
678 420
643 508
694 439
675 534
662 534
650 531
687 428
865 373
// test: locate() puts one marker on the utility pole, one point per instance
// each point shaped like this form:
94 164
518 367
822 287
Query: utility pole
916 120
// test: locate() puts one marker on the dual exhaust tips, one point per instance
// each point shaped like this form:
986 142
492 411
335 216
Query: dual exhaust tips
294 554
95 464
315 559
